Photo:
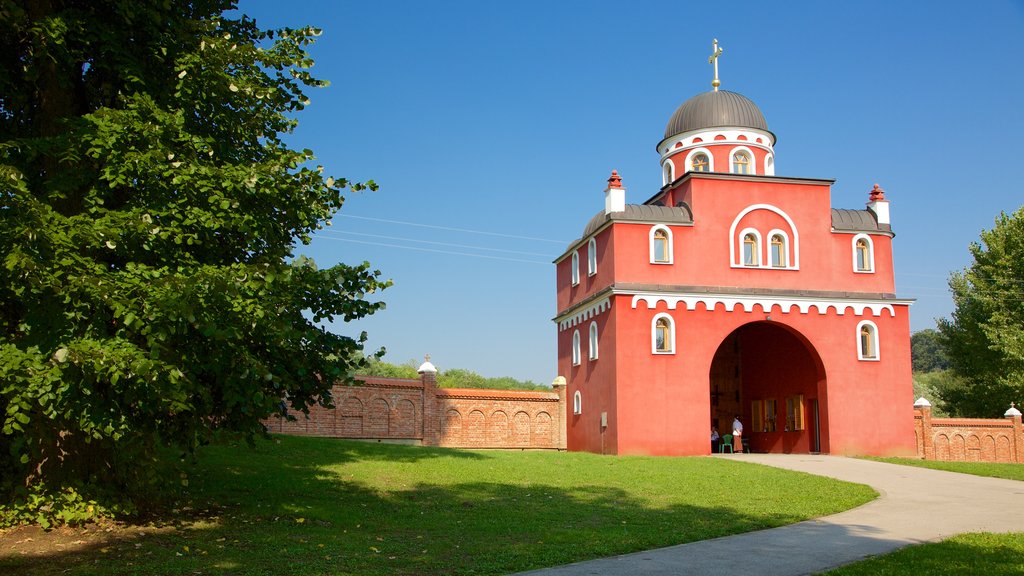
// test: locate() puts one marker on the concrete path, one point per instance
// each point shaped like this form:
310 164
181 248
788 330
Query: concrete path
916 505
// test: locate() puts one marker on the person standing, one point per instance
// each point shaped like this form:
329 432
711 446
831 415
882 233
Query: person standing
737 433
714 440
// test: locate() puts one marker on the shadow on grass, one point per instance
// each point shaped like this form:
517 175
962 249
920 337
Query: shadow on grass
292 507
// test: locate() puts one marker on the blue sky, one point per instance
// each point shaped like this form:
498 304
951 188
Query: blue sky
492 127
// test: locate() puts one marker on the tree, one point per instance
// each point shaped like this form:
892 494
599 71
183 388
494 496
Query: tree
985 337
149 212
927 352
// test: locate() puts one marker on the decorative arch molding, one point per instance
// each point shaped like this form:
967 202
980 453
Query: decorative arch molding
585 313
747 303
683 143
688 166
752 159
734 255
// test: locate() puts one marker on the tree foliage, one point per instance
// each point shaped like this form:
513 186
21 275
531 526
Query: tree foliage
149 209
927 351
449 378
984 338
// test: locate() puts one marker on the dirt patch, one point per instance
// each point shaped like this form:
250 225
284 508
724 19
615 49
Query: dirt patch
33 541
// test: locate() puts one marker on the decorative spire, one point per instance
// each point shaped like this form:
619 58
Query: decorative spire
713 59
615 181
427 366
877 194
1012 412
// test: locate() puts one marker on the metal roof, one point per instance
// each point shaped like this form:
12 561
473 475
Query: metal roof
857 221
641 213
716 109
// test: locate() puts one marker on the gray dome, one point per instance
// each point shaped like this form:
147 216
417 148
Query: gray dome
716 109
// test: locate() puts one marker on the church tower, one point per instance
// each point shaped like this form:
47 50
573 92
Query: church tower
732 291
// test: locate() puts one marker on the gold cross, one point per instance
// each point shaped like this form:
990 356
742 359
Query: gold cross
714 60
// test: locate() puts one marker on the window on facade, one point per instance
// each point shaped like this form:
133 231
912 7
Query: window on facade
661 250
593 341
867 341
577 403
592 257
667 176
663 335
750 250
770 411
741 163
756 415
778 251
862 255
575 268
795 413
699 162
576 348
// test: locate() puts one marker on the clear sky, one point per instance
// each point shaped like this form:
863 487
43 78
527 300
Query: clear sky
491 128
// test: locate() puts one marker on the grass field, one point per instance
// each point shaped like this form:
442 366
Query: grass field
319 506
991 469
964 555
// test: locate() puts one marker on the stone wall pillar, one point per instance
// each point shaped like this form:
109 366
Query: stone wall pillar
923 425
431 418
1018 433
562 420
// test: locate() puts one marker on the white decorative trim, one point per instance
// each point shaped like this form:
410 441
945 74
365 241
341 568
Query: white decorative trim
577 403
785 303
585 313
738 262
654 334
758 245
769 165
785 248
591 257
576 348
707 136
871 254
688 166
874 338
668 172
668 232
750 153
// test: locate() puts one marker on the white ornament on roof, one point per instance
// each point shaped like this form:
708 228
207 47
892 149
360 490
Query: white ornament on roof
426 367
1012 411
922 402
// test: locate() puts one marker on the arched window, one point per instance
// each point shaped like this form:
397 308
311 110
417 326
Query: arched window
661 245
867 341
699 163
769 165
575 268
593 341
577 403
663 335
742 163
576 348
778 251
668 172
863 254
591 257
751 250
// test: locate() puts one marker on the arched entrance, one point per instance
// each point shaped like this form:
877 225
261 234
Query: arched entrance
772 377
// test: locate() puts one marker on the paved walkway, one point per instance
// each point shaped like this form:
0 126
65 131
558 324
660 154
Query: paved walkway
916 505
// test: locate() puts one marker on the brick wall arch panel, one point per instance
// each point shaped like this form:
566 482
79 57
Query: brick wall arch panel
476 428
352 417
988 448
958 448
404 423
451 428
1003 453
521 429
942 447
498 429
378 414
543 431
973 448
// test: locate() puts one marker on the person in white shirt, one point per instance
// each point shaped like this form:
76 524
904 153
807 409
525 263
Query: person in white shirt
737 433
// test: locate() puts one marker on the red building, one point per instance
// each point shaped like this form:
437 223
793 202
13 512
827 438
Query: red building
733 291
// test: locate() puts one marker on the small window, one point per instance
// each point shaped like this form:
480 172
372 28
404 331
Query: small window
592 257
577 403
576 348
575 268
661 245
778 252
741 163
769 165
667 172
700 163
863 254
750 250
663 335
593 341
867 341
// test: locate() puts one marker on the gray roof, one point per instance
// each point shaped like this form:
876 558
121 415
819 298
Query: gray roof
642 213
857 221
716 109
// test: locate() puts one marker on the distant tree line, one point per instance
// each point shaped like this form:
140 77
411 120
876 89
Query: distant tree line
450 378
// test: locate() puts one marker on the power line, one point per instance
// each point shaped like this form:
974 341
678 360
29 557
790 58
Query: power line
386 236
455 229
404 247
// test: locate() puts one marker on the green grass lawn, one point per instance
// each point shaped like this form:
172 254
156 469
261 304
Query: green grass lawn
994 470
320 506
966 555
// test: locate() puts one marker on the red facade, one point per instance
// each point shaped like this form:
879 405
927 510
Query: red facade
729 293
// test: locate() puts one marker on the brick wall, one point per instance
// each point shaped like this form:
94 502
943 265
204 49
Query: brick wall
416 410
968 439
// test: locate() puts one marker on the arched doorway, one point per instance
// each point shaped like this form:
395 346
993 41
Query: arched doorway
772 377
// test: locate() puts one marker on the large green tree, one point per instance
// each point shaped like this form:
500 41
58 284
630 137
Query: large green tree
927 351
984 339
149 210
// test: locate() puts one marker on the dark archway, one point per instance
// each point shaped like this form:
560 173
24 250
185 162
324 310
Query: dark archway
772 377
